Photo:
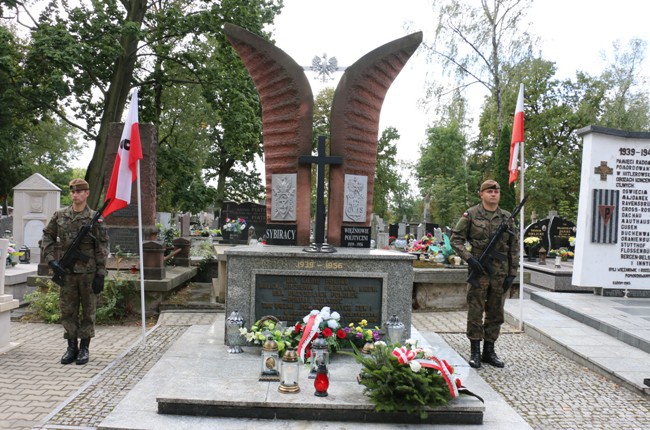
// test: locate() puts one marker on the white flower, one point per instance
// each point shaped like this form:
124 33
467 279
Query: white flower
415 366
380 343
250 336
335 316
428 352
331 323
243 331
325 312
412 342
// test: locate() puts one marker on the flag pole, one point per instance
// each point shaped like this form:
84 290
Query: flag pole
140 251
521 237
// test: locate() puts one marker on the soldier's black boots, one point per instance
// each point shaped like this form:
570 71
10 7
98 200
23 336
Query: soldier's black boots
70 353
84 354
475 355
489 356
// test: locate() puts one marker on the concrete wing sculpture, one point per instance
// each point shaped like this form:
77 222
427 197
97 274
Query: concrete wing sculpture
354 122
287 113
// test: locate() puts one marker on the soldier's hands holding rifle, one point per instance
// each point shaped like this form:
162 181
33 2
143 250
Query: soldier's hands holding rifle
475 265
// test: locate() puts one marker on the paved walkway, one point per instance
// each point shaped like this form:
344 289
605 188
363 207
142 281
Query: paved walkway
548 389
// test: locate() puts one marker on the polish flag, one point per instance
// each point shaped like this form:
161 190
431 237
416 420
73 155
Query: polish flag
517 136
125 168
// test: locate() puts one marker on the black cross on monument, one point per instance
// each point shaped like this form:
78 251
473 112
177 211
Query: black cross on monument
603 170
320 160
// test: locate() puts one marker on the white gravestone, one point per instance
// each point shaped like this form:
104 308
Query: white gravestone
355 198
283 203
613 239
35 200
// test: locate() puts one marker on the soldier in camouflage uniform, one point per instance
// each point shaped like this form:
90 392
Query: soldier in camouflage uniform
476 227
81 287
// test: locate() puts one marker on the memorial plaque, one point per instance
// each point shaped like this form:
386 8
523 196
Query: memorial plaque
281 234
355 237
290 298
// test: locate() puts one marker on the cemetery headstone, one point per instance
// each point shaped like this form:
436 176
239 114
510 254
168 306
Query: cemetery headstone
253 213
431 226
185 225
35 200
122 225
382 240
554 232
393 230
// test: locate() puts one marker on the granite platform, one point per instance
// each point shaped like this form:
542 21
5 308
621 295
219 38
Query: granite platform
197 379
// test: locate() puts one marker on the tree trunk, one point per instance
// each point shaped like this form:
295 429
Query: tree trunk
115 100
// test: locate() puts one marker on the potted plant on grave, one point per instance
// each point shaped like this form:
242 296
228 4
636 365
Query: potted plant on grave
532 245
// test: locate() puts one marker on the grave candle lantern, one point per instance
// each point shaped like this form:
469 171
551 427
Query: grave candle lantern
395 329
319 354
289 372
270 359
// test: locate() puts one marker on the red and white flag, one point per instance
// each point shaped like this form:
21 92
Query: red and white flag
129 153
517 136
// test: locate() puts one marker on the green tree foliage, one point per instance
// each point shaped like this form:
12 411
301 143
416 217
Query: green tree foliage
86 56
442 174
388 181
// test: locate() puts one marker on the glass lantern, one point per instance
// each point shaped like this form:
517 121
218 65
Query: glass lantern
234 322
319 354
270 361
289 372
395 329
322 381
26 254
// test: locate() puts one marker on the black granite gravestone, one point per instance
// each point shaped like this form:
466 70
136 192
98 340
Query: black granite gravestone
253 213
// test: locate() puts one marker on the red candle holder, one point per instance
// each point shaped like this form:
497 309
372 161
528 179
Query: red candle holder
322 381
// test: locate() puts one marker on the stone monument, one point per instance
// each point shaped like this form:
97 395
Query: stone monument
613 243
287 114
284 281
35 200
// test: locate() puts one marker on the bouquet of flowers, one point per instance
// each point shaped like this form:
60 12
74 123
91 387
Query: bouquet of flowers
12 254
324 321
234 225
407 378
359 334
269 326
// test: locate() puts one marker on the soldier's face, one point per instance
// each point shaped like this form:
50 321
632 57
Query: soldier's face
80 197
490 196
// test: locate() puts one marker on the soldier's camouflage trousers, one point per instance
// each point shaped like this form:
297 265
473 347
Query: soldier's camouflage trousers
75 294
488 300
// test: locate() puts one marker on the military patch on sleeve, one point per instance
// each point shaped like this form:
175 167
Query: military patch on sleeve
465 214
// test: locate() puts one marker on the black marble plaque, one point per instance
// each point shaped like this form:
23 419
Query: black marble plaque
281 234
291 297
355 237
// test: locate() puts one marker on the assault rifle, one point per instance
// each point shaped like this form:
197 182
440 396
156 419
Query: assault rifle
65 264
489 253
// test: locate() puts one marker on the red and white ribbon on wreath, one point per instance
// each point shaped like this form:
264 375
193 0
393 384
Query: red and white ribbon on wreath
404 354
310 329
445 370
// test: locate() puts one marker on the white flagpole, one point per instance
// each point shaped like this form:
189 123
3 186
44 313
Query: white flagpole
522 163
142 303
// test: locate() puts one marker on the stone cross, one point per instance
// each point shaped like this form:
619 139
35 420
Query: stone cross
320 160
603 170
